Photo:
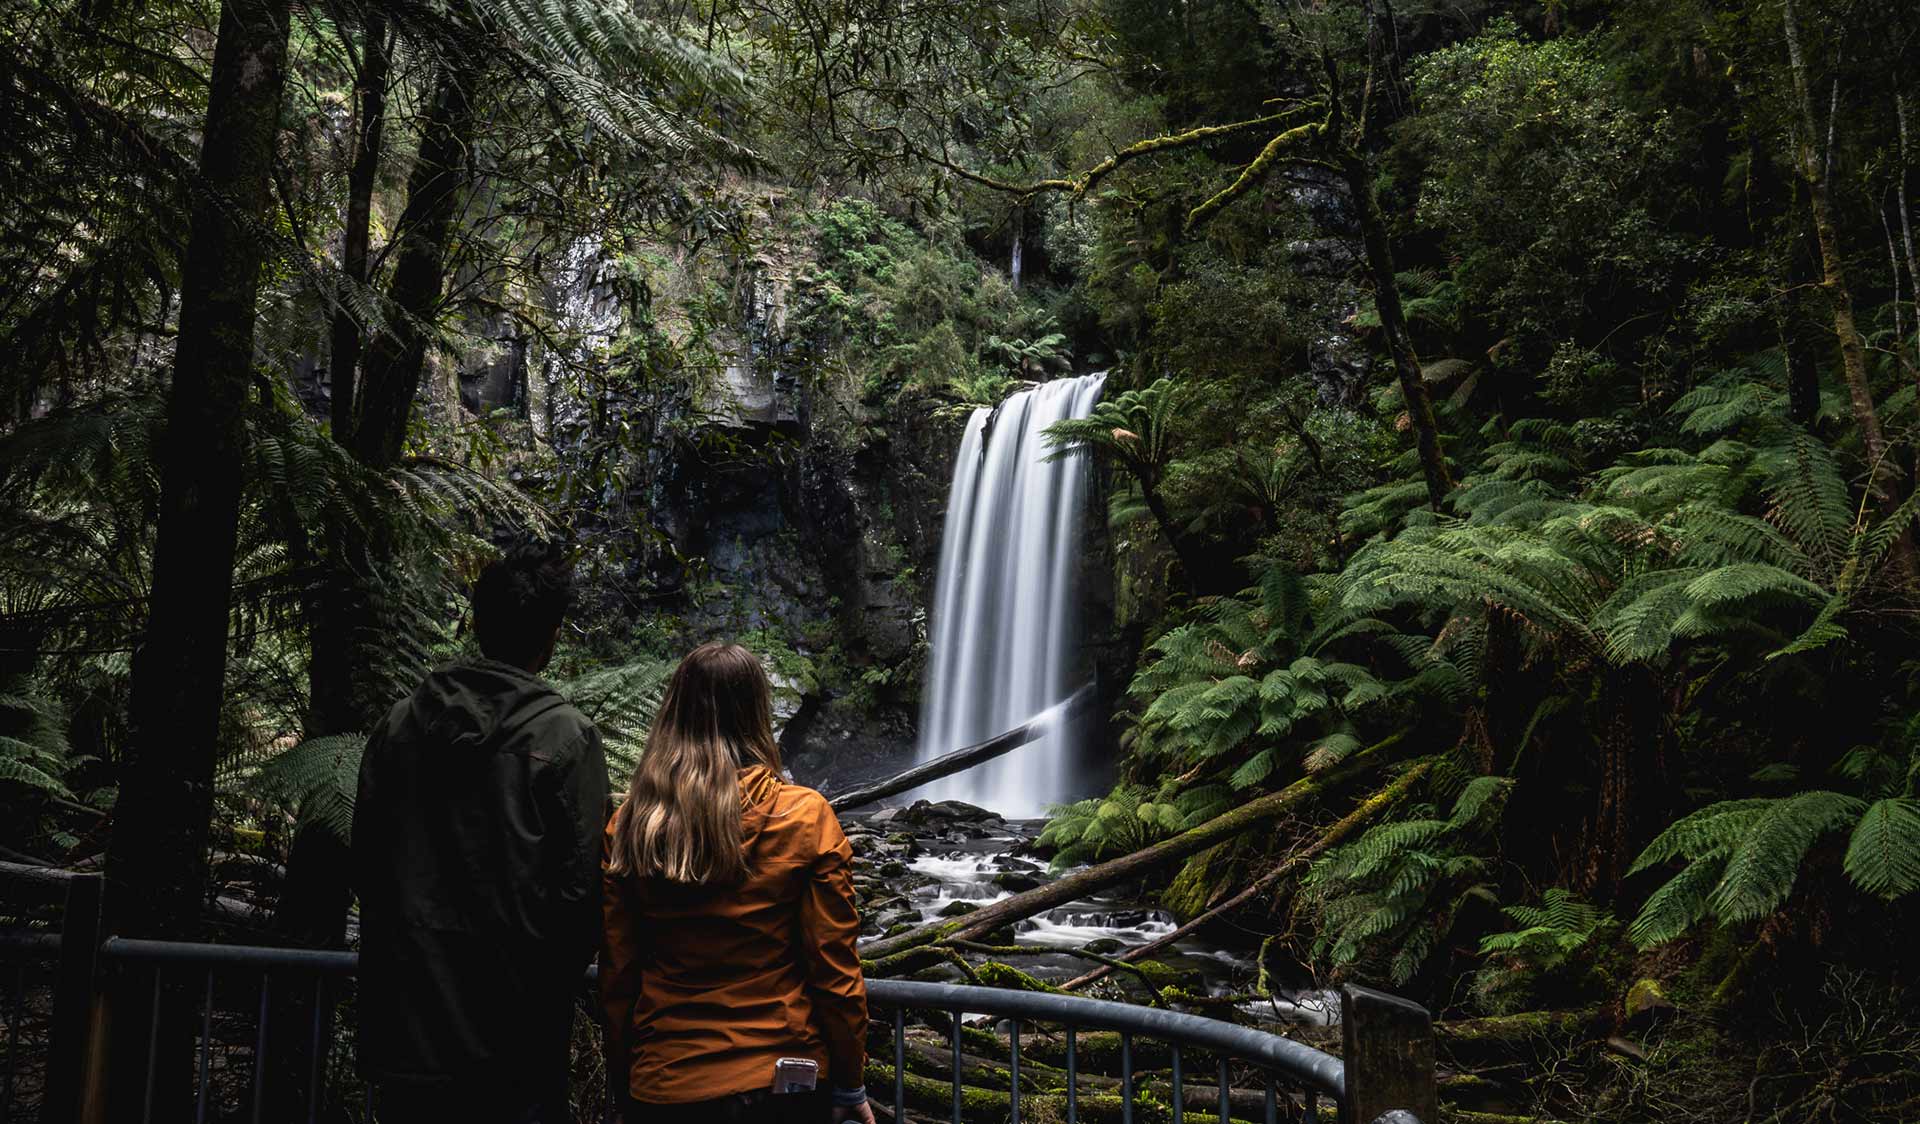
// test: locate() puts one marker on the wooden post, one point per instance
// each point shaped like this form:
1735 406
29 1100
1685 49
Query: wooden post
76 1044
1389 1056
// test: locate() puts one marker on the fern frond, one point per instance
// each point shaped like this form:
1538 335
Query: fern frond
1883 855
1679 904
1710 831
1762 866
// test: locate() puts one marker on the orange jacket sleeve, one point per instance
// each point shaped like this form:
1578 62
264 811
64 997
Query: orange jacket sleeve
829 926
620 957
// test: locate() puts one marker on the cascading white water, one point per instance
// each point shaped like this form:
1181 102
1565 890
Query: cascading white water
1004 635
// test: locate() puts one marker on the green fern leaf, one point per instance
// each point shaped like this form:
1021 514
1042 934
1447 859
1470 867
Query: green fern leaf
1677 905
1883 857
1762 866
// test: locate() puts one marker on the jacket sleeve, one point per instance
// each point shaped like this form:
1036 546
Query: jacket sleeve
829 926
369 845
620 960
581 831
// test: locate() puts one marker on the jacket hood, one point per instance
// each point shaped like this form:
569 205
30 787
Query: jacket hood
758 786
467 705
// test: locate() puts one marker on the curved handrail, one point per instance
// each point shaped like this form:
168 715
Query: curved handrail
1316 1070
1312 1069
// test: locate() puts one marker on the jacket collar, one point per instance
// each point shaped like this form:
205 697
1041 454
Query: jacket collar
757 783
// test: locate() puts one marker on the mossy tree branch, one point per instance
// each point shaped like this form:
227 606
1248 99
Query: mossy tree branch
1085 181
1341 829
1277 150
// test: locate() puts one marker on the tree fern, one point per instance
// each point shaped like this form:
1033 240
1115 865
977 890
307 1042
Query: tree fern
1763 864
1556 938
1883 857
35 754
1385 897
1743 857
318 778
620 700
1123 821
1232 685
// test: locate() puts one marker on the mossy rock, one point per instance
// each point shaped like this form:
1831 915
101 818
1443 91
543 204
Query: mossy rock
959 909
893 869
995 974
1164 975
1647 1002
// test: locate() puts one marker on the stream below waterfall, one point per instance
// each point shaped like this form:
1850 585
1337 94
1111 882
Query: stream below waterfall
935 860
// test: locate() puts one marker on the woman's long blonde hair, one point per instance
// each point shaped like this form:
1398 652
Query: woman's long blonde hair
681 821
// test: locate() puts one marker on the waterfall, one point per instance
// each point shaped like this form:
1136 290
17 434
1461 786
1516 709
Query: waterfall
1004 630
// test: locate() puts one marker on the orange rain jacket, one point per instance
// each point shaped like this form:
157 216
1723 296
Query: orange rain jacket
706 987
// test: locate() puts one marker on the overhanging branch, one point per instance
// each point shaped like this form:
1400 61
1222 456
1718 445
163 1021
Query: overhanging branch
1253 173
1082 183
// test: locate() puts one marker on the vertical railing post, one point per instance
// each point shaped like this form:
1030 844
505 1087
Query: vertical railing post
1389 1057
76 1047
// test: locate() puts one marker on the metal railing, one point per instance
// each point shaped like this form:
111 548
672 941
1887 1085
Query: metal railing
1283 1062
230 994
26 970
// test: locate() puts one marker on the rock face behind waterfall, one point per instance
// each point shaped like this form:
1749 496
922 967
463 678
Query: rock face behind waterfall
793 511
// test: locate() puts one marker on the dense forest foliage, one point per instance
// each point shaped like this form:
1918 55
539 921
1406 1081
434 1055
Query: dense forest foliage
1512 447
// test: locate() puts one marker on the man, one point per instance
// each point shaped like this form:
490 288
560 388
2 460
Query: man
476 842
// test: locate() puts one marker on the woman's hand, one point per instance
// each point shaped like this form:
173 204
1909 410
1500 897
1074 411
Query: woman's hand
861 1113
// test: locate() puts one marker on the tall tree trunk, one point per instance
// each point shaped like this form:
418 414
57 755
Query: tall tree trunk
397 358
370 419
1803 371
156 861
1906 219
1393 322
332 708
1205 574
1853 354
370 88
157 857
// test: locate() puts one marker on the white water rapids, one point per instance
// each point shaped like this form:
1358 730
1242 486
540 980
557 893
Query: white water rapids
1004 630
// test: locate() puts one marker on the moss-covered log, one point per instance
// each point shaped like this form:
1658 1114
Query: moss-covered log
933 1060
1336 834
1471 1041
984 1106
1093 879
1298 137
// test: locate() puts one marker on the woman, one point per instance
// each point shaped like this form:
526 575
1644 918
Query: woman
730 920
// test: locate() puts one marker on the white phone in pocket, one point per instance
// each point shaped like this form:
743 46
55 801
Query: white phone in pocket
795 1075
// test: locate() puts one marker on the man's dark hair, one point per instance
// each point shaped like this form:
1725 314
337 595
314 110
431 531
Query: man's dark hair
519 600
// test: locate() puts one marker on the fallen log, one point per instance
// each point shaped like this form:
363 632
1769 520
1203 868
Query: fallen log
1093 879
935 1100
1467 1039
1472 1045
933 1060
966 758
1338 832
